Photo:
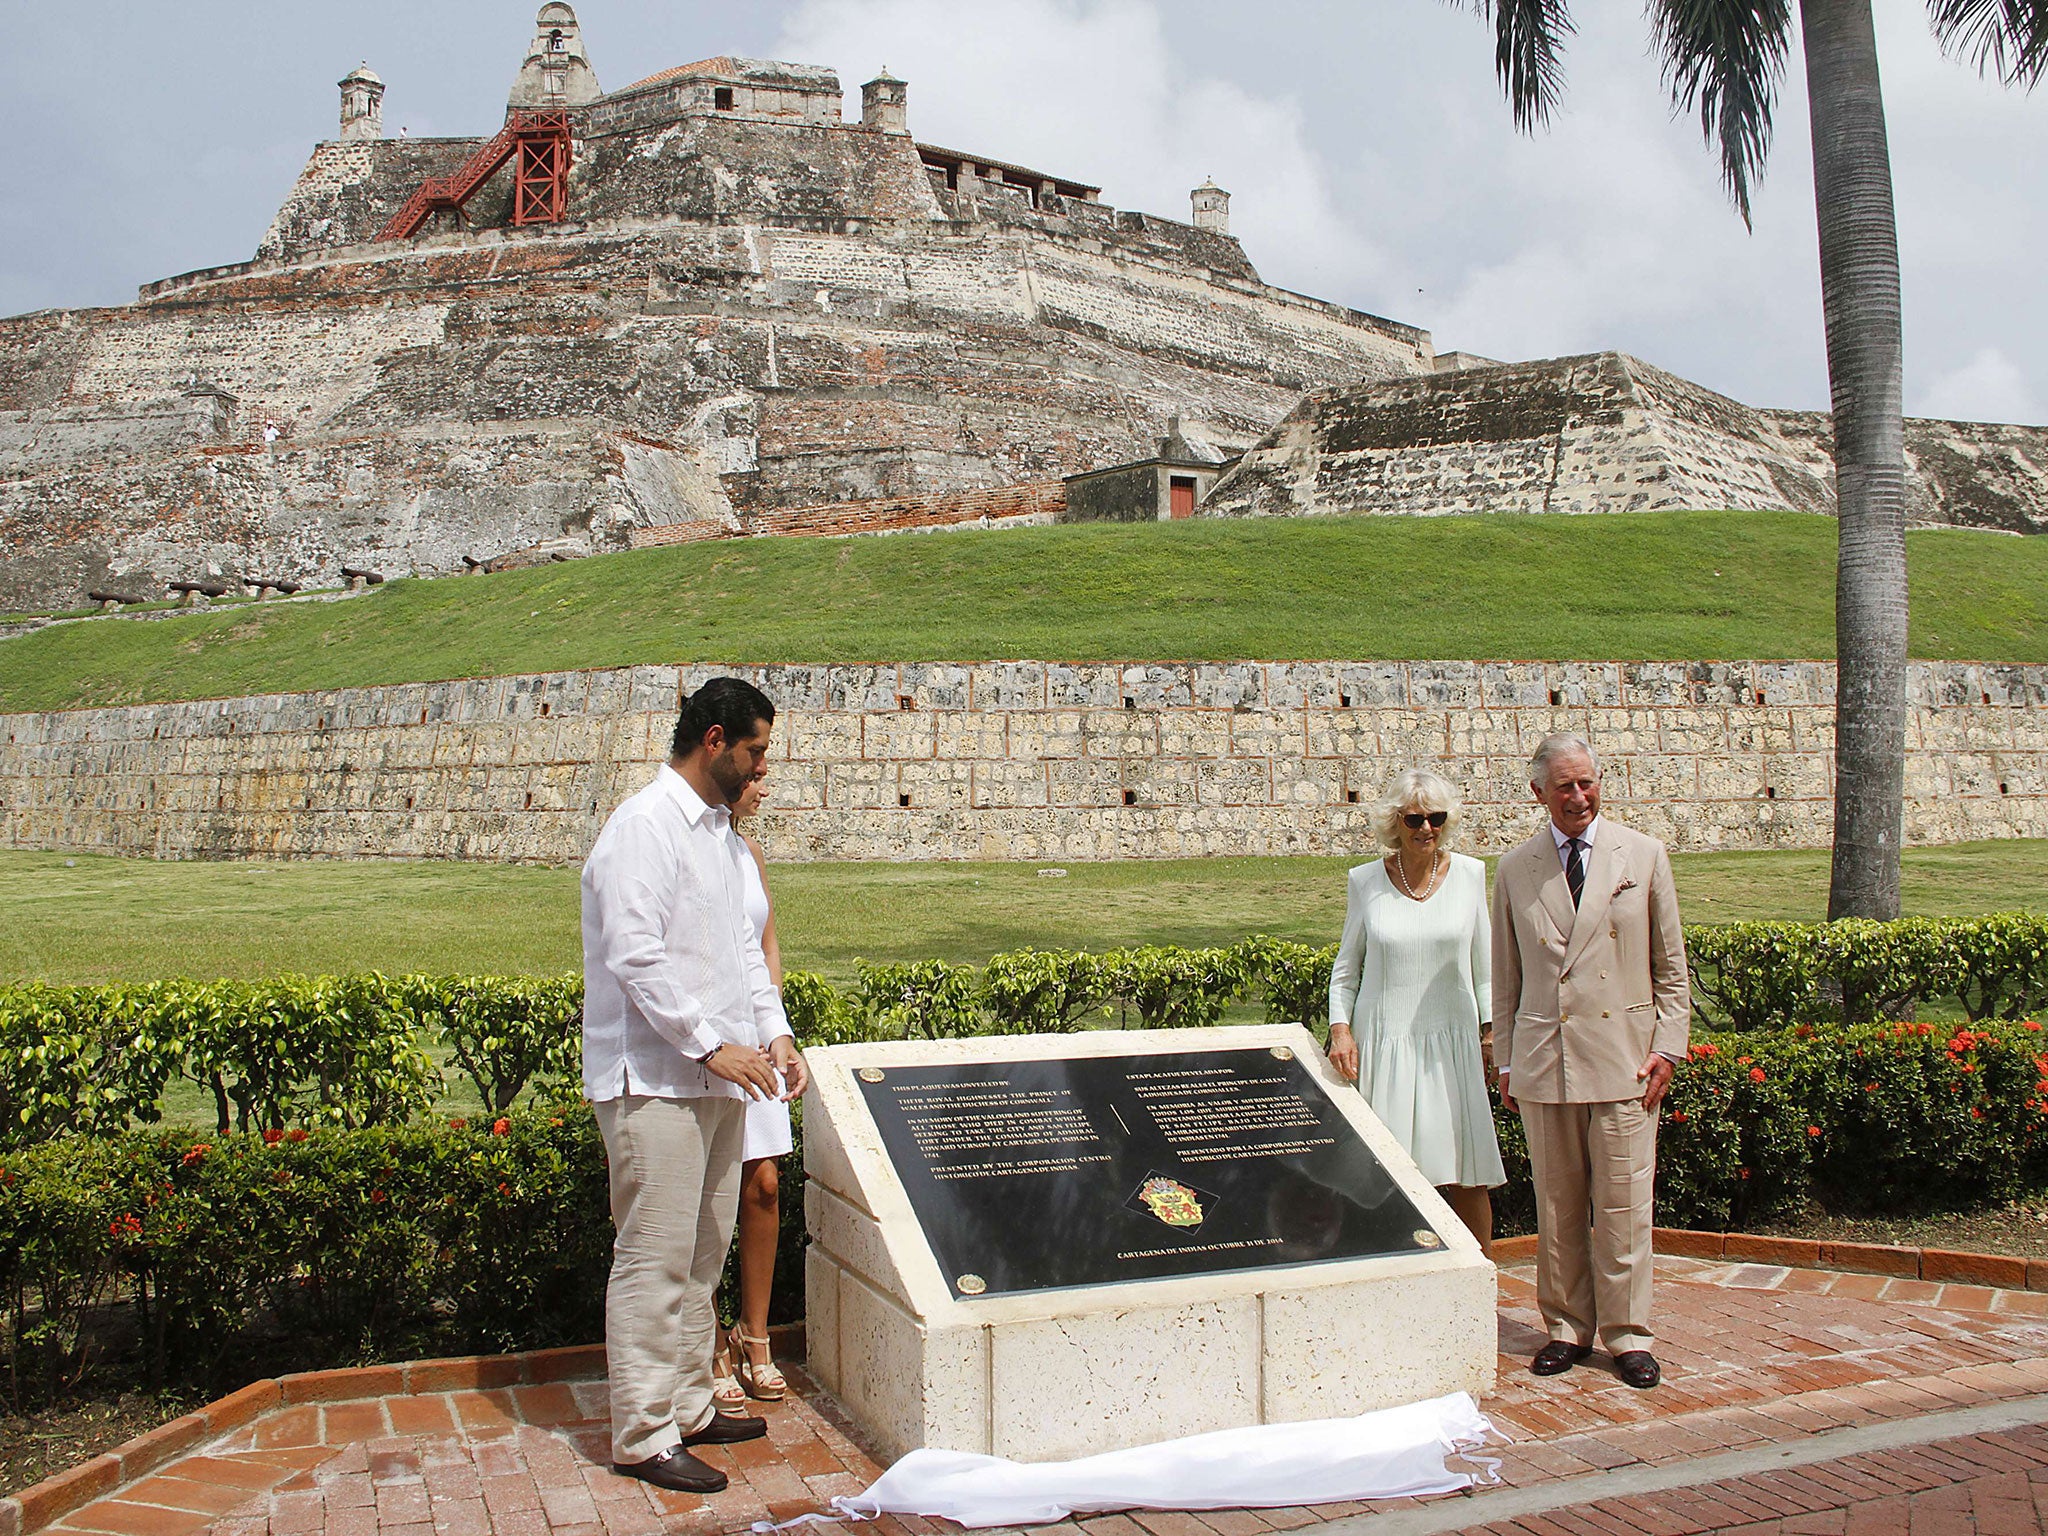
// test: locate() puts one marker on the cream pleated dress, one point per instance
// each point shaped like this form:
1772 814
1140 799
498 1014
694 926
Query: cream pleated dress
1413 979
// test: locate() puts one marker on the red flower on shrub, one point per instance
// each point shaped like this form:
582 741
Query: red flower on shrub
1706 1048
2030 1024
501 1126
195 1156
125 1227
1678 1116
1813 1130
1976 1114
1743 1061
504 1189
282 1176
272 1136
458 1125
1756 1074
378 1197
296 1133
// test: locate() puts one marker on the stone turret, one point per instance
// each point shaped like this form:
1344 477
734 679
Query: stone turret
884 105
362 104
1212 207
557 72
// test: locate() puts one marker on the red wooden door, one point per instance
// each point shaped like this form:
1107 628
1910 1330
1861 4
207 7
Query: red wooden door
1180 496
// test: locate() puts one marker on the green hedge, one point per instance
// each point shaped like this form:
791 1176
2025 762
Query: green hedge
382 1242
373 1243
362 1050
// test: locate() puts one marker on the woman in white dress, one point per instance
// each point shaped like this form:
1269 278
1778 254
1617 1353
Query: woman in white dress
1410 992
744 1367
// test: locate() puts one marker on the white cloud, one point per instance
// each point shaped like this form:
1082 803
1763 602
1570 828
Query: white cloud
1989 387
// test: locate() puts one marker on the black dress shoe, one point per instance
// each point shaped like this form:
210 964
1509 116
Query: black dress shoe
1559 1356
1638 1367
678 1471
728 1429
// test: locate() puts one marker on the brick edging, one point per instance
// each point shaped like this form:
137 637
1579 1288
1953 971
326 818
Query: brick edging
54 1497
1939 1265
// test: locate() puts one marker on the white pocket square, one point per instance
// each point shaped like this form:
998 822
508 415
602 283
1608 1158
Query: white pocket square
1626 885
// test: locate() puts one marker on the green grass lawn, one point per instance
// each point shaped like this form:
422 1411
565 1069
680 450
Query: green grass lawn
1644 586
90 919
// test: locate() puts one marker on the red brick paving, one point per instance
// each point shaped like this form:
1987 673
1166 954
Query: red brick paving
1754 1354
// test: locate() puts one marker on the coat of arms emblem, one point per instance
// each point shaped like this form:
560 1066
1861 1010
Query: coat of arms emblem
1171 1201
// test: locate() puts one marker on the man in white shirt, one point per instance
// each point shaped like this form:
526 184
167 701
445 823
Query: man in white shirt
681 1024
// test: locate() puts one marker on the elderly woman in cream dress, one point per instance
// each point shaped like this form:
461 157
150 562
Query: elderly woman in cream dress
1410 990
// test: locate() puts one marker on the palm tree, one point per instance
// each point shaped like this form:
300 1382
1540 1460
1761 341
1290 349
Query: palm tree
1725 60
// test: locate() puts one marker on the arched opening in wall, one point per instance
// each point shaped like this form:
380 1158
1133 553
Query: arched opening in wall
1351 797
544 709
721 98
903 802
1130 797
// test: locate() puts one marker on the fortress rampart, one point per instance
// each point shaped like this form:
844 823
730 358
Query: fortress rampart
1014 760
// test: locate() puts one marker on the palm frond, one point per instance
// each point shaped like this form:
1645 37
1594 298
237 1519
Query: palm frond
2007 38
1528 54
1725 59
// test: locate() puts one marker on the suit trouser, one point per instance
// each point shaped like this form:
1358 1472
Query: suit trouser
675 1184
1595 1168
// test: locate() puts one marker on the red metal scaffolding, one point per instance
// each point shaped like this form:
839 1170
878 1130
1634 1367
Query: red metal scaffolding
540 176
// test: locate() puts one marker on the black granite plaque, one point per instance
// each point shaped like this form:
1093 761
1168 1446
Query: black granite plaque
1029 1175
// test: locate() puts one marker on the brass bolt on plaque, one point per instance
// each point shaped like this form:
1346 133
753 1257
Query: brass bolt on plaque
1283 1053
1428 1239
871 1074
971 1285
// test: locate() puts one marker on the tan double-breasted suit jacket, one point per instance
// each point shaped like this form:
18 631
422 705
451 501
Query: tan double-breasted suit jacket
1581 997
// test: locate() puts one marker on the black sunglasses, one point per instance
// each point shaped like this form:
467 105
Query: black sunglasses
1434 818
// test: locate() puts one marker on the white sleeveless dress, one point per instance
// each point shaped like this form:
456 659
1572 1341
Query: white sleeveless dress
1413 979
768 1132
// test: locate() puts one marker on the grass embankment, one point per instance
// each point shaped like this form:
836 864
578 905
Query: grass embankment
89 919
1646 586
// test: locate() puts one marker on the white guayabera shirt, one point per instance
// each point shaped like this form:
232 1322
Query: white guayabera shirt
672 966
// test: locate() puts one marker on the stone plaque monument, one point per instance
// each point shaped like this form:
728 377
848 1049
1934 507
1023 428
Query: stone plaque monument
1041 1246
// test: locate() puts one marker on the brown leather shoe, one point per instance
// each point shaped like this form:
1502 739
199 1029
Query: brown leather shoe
678 1471
728 1429
1638 1368
1559 1356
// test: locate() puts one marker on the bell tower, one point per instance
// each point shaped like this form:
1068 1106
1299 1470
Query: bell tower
557 72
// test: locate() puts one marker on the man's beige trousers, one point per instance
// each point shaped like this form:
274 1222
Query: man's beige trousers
1594 1167
675 1184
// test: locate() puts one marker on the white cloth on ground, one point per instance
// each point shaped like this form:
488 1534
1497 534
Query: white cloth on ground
1393 1453
1413 979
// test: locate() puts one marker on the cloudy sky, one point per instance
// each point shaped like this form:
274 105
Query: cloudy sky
1367 148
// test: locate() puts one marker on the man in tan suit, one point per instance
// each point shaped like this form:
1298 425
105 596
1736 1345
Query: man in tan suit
1591 1014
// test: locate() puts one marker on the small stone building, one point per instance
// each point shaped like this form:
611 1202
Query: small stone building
1170 484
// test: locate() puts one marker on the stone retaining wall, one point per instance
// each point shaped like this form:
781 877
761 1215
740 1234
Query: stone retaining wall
1014 760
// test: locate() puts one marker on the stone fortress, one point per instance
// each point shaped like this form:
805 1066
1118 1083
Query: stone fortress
705 305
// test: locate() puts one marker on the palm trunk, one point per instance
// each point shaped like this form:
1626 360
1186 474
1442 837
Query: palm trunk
1859 279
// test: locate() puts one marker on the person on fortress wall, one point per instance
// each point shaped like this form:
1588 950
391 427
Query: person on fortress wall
1592 1012
677 995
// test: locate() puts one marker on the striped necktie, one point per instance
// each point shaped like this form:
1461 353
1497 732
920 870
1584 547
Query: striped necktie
1575 868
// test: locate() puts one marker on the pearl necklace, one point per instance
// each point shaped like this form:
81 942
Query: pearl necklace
1436 868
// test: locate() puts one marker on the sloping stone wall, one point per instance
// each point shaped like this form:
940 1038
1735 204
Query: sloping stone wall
1603 433
1014 760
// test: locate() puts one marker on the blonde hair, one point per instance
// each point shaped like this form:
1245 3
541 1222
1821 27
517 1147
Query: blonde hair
1425 791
